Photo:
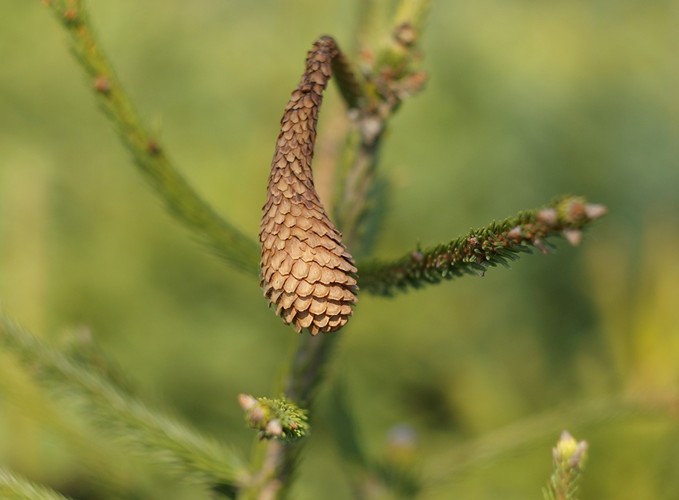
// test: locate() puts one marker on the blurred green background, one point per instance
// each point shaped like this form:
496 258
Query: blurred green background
525 100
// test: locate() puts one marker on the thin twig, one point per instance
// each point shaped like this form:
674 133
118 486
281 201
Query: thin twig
497 243
390 75
190 455
179 197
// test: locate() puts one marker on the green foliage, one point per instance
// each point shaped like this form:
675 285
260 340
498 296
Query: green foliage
473 254
275 418
13 487
187 454
174 191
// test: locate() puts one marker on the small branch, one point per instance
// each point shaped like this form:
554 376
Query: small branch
17 488
149 433
275 418
278 460
568 457
481 249
181 200
390 77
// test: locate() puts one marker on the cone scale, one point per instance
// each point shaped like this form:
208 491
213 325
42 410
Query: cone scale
306 272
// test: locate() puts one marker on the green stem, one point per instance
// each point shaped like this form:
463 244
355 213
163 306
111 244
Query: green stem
481 248
276 463
181 200
390 77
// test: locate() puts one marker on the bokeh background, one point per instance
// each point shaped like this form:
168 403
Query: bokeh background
525 100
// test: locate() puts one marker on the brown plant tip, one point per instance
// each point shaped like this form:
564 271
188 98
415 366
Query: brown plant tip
306 272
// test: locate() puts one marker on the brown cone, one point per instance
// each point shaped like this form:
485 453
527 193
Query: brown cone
306 271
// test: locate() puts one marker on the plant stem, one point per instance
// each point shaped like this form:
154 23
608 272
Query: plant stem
481 248
390 76
279 458
371 105
179 197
